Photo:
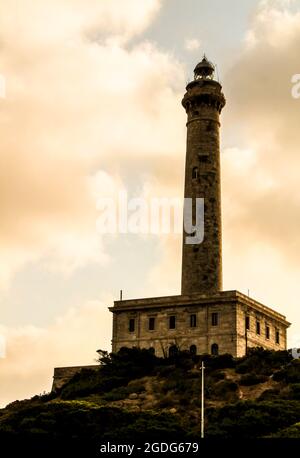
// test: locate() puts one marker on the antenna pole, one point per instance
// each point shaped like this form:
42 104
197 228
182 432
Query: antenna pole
202 400
217 72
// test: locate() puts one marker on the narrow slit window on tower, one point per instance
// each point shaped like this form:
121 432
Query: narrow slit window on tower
151 323
203 158
277 336
195 173
131 325
257 327
214 319
172 322
193 320
267 332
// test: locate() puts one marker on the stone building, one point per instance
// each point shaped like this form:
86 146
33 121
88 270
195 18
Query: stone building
203 319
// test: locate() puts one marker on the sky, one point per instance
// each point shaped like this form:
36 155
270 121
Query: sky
92 106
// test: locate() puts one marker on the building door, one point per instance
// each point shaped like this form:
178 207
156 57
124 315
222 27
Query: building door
173 350
193 349
215 349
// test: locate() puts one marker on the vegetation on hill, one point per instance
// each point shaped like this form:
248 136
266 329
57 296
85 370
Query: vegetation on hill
135 394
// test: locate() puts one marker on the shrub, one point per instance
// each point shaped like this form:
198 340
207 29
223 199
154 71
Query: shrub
268 395
252 419
223 390
252 379
218 375
289 374
165 371
123 392
83 421
137 386
166 401
84 385
193 375
292 432
185 399
169 385
129 363
183 359
219 362
262 361
179 385
115 370
294 391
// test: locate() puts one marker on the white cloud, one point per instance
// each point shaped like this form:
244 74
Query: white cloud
32 353
192 44
260 173
79 101
62 22
76 100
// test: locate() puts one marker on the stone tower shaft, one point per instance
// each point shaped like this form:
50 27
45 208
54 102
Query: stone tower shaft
203 102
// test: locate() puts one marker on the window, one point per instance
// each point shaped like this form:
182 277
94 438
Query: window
247 323
193 321
215 349
214 319
203 158
151 323
267 332
131 325
172 322
277 336
257 327
193 349
195 173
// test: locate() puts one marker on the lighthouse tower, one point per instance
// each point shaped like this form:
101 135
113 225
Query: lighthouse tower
203 103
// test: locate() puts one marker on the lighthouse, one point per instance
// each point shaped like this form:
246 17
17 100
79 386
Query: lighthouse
203 103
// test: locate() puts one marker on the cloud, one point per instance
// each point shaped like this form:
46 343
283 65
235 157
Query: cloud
61 21
192 44
260 163
32 352
259 99
84 108
78 100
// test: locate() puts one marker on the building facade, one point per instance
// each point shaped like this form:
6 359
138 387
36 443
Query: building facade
203 319
226 322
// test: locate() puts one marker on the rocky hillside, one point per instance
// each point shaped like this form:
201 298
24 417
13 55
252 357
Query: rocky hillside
135 394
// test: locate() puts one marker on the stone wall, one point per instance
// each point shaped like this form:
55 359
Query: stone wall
253 339
183 336
63 374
